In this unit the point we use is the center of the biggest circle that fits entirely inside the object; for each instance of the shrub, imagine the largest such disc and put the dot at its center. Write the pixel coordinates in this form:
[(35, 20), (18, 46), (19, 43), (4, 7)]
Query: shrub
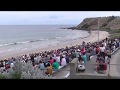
[(85, 26), (22, 70), (105, 24), (111, 18), (2, 76)]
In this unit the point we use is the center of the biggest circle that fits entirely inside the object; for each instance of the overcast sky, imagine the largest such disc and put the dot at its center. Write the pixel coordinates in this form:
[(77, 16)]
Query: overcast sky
[(49, 17)]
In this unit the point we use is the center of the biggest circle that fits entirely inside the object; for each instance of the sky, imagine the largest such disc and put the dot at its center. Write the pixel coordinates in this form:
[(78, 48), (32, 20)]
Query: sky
[(50, 17)]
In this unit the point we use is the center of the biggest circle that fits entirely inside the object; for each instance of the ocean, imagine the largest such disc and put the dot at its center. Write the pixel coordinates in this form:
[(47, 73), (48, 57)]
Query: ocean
[(14, 38)]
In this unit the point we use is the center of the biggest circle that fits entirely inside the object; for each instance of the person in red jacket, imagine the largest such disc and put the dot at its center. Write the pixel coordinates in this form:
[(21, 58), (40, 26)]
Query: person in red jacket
[(97, 50), (51, 60)]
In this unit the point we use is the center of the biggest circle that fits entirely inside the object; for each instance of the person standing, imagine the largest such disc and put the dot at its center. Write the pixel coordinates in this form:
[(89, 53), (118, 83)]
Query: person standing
[(88, 55), (108, 55), (84, 57), (63, 61), (102, 51), (42, 67)]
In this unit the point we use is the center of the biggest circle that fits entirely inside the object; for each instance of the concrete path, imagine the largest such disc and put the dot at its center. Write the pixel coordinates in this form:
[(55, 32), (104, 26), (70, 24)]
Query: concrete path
[(114, 69), (115, 64), (65, 71)]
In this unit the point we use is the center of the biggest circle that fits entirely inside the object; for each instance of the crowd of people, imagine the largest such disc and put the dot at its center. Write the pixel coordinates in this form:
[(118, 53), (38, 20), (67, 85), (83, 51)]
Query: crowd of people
[(50, 61), (103, 52)]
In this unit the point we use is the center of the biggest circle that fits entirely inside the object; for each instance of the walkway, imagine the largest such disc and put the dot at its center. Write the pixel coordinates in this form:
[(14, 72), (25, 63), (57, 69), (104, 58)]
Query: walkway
[(115, 64), (65, 71), (114, 70)]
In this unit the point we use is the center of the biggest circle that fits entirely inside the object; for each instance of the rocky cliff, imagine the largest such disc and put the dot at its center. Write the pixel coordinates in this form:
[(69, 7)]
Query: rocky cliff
[(105, 23)]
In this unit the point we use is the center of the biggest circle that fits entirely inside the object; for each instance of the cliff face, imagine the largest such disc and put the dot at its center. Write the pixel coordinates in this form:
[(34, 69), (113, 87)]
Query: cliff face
[(105, 23)]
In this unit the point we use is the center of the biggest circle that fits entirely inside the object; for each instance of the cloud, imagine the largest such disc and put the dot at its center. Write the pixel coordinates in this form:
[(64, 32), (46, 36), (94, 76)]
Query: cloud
[(49, 17)]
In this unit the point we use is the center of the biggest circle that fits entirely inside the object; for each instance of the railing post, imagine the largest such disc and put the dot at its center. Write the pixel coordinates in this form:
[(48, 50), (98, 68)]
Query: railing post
[(73, 65)]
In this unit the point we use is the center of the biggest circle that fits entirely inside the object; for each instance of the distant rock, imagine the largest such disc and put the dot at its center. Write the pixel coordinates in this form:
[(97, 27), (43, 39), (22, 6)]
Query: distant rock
[(72, 28)]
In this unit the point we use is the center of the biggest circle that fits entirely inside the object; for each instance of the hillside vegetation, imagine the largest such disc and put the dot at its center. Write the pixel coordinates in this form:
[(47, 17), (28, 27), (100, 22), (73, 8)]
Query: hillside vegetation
[(110, 24)]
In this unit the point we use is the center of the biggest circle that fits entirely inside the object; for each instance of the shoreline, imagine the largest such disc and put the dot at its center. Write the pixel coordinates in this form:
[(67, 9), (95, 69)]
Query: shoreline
[(92, 37)]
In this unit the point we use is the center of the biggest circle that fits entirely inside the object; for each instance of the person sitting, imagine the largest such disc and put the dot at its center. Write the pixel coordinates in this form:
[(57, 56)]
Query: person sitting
[(100, 58), (42, 67), (63, 61), (51, 60), (7, 66), (88, 55), (58, 58), (102, 67), (55, 65), (49, 69), (97, 50), (109, 55)]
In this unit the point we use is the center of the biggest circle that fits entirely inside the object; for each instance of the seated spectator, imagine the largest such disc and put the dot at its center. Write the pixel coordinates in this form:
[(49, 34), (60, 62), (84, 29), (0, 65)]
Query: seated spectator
[(88, 55), (51, 60), (58, 58), (55, 65), (7, 66), (12, 65), (63, 61), (67, 58), (49, 69), (42, 67)]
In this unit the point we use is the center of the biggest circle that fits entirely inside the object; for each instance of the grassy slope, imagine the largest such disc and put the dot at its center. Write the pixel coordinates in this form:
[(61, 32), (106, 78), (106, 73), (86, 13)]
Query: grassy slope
[(110, 24)]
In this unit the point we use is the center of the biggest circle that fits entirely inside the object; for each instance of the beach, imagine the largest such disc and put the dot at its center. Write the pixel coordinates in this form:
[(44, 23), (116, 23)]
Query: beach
[(93, 37)]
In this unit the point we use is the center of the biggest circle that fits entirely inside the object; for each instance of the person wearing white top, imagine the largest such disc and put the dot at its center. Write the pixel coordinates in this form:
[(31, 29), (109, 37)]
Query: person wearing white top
[(58, 58), (23, 57), (39, 58), (114, 47), (11, 65), (54, 57), (63, 62), (102, 49), (28, 57), (105, 44), (4, 63), (35, 60)]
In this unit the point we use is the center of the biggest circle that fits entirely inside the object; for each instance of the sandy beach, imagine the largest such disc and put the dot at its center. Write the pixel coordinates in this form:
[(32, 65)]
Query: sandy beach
[(93, 37)]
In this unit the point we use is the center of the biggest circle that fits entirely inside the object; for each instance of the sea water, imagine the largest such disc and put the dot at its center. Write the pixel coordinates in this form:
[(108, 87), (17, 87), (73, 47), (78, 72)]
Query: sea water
[(14, 38)]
